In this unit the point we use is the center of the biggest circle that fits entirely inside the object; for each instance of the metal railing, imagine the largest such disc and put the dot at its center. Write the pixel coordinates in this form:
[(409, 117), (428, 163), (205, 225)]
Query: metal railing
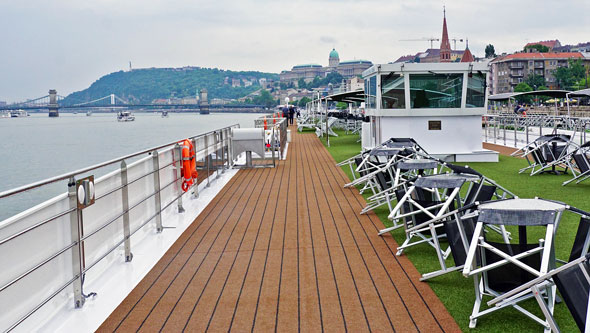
[(277, 137), (55, 245), (517, 130)]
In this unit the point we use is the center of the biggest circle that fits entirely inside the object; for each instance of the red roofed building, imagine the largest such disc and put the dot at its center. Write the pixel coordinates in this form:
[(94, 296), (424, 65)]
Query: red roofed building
[(551, 44), (467, 56), (512, 69)]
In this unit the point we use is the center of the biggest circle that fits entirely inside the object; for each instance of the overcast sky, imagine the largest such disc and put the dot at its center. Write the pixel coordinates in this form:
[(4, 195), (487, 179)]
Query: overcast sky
[(68, 44)]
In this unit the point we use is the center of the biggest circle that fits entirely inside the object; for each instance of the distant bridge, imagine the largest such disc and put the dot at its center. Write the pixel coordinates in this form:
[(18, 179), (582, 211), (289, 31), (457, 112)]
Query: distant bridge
[(54, 102)]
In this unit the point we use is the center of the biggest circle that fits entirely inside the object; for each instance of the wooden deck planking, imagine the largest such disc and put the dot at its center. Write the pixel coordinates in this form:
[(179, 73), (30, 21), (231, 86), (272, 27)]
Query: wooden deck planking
[(284, 249)]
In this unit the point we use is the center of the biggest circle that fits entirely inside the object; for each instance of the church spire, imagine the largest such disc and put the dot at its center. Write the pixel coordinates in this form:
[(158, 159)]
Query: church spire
[(445, 45)]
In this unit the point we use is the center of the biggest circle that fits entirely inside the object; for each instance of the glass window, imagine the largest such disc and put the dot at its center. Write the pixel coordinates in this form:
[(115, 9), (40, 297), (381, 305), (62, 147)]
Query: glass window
[(436, 90), (476, 90), (371, 92), (392, 91)]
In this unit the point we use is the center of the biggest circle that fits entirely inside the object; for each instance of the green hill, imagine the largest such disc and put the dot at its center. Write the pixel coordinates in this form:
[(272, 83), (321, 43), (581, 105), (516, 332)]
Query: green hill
[(145, 85)]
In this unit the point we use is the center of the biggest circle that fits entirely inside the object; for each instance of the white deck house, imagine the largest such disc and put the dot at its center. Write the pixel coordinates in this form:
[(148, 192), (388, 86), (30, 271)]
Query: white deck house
[(440, 105)]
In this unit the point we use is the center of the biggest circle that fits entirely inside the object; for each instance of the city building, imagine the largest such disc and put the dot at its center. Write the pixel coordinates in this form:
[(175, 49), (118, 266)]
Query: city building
[(355, 83), (509, 70), (580, 47), (550, 44), (308, 72)]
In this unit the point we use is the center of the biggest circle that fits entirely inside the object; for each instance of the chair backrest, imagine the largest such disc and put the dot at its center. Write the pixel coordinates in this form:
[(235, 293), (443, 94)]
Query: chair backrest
[(581, 162), (510, 276), (382, 180), (456, 243), (538, 157), (574, 287), (480, 192), (581, 240), (357, 162)]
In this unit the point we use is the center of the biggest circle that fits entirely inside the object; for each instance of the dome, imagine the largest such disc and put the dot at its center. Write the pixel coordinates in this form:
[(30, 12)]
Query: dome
[(334, 54)]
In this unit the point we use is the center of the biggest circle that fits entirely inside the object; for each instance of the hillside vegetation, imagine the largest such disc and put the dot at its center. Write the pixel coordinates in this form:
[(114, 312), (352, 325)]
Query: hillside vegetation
[(145, 85)]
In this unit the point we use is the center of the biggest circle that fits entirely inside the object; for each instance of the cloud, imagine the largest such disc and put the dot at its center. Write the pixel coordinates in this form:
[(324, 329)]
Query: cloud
[(327, 40)]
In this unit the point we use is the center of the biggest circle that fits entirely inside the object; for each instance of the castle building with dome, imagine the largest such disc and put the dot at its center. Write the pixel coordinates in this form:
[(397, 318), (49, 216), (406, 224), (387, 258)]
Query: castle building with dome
[(348, 69)]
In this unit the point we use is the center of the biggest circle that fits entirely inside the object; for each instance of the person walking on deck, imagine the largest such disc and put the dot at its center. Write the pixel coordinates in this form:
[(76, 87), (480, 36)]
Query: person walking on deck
[(291, 114)]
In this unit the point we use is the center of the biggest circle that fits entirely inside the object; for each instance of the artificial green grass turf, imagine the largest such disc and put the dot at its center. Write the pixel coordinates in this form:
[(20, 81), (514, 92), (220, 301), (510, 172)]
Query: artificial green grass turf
[(455, 291)]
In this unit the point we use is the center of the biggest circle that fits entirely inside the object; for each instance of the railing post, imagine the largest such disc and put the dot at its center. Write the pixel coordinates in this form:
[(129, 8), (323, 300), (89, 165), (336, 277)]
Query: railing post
[(216, 137), (515, 125), (541, 120), (158, 202), (222, 140), (504, 129), (273, 145), (495, 129), (125, 205), (485, 127), (77, 251), (196, 187), (207, 157), (179, 177), (526, 122)]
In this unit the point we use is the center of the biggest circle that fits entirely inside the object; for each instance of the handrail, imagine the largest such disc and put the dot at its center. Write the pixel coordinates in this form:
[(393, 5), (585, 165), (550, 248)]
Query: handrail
[(96, 166)]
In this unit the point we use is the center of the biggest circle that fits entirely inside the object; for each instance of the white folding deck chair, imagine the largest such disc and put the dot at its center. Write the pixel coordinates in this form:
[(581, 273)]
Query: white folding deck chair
[(499, 267), (572, 280), (547, 153), (480, 189), (405, 170), (581, 159)]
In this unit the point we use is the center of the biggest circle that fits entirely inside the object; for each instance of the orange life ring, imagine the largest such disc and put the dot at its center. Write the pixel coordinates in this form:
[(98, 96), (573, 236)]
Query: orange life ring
[(189, 165), (265, 126)]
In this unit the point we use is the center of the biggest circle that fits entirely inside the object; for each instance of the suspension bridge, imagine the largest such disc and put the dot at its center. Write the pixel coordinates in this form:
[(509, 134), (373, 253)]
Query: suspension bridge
[(54, 102)]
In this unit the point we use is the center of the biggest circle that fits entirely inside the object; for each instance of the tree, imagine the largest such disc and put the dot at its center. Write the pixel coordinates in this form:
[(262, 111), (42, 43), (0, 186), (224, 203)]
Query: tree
[(301, 83), (567, 77), (523, 87), (490, 51), (537, 47), (265, 98), (341, 106), (303, 101), (535, 81)]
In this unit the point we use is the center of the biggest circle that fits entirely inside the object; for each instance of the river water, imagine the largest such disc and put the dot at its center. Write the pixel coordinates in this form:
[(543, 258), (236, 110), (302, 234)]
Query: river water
[(38, 147)]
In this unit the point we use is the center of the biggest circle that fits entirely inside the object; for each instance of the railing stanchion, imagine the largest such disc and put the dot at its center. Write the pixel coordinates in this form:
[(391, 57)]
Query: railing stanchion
[(526, 122), (216, 136), (504, 129), (495, 129), (207, 157), (77, 250), (178, 148), (485, 126), (125, 205), (222, 139), (196, 187), (158, 202), (273, 145), (515, 125)]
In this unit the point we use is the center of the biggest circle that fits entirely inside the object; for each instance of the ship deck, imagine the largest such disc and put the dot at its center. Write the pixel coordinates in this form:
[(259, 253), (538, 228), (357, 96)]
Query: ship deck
[(284, 249)]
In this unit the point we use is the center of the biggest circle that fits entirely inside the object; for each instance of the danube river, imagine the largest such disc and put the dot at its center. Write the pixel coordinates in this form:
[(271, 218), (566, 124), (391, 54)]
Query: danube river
[(38, 147)]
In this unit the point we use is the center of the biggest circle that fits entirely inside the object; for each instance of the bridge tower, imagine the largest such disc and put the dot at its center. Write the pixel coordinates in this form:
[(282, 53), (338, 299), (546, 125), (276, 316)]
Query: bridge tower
[(53, 107), (203, 102)]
